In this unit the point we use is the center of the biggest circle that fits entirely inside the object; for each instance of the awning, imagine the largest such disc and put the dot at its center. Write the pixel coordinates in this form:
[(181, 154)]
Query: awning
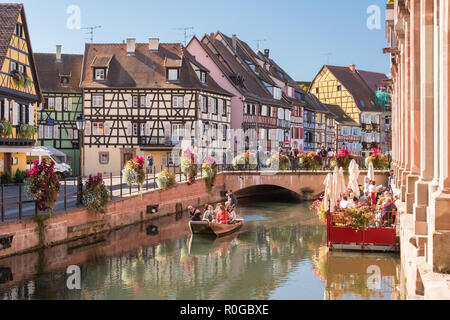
[(9, 149)]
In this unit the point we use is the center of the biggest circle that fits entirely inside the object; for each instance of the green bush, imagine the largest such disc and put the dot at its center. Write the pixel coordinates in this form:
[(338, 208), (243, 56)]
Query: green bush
[(5, 178), (20, 176)]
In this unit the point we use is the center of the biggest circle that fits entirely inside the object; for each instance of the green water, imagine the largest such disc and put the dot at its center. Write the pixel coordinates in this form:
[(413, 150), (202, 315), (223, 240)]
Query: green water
[(278, 254)]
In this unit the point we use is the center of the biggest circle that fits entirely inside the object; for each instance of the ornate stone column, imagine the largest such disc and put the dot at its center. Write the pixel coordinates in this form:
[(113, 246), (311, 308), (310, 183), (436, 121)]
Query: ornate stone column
[(427, 117), (439, 220), (414, 106)]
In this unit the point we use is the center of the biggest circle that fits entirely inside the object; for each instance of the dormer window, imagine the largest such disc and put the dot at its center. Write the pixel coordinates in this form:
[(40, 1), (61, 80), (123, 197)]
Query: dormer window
[(203, 76), (173, 74), (99, 74), (64, 81)]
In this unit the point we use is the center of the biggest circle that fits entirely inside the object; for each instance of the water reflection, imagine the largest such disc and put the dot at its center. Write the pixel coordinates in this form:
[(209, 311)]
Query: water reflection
[(279, 256)]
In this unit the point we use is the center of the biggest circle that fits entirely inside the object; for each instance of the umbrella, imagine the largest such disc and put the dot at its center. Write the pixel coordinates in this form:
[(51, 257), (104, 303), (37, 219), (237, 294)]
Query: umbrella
[(353, 178), (371, 172), (341, 180), (329, 196), (336, 184)]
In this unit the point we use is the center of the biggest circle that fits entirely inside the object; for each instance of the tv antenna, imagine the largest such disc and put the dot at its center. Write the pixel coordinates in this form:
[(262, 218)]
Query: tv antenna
[(258, 42), (185, 32), (328, 55), (91, 32)]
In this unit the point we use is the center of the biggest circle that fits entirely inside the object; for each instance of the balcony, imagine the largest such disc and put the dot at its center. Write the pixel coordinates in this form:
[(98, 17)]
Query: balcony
[(21, 135), (157, 142)]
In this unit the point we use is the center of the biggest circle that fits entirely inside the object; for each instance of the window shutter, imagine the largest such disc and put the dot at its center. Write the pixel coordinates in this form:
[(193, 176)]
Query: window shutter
[(41, 132), (88, 129), (129, 100), (209, 104), (107, 128), (70, 134), (186, 101), (167, 133), (69, 104), (58, 102), (55, 132), (147, 128), (31, 114), (128, 129), (15, 114), (7, 110), (148, 101)]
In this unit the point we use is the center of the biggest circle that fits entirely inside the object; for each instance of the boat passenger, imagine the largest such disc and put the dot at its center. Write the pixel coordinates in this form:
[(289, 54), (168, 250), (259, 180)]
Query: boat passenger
[(355, 203), (222, 217), (231, 214), (366, 185), (197, 216), (373, 192), (232, 198), (344, 203), (209, 214), (191, 211), (217, 210)]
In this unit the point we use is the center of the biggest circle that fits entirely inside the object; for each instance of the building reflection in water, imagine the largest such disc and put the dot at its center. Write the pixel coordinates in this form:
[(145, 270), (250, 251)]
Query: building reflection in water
[(247, 265)]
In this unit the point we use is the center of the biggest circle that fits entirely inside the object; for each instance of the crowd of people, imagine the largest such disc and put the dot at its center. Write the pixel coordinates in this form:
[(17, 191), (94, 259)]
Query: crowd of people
[(221, 214), (380, 198)]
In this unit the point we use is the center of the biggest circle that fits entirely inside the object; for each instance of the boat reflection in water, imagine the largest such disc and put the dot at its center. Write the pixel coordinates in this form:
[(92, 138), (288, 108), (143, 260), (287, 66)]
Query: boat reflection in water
[(278, 254)]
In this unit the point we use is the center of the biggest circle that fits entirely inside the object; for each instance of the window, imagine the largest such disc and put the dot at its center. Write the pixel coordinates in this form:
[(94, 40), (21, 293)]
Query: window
[(281, 114), (177, 102), (143, 101), (103, 157), (317, 90), (135, 129), (66, 104), (24, 114), (48, 132), (277, 93), (12, 66), (177, 132), (64, 81), (2, 109), (172, 74), (214, 131), (97, 128), (215, 110), (19, 30), (339, 88), (51, 104), (264, 110), (97, 101), (224, 132), (204, 104), (224, 107), (21, 68), (362, 103), (253, 109), (142, 131), (202, 76), (99, 74)]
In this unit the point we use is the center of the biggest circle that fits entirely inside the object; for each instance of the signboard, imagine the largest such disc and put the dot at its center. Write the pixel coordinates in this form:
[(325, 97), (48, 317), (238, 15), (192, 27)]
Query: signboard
[(50, 122), (287, 142)]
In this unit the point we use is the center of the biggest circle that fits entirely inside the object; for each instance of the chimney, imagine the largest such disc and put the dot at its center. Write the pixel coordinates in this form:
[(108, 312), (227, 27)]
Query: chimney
[(58, 53), (131, 47), (153, 44), (266, 53), (353, 68), (234, 42)]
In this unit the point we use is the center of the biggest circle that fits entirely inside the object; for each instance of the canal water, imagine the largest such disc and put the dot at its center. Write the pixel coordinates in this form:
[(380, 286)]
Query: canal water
[(278, 254)]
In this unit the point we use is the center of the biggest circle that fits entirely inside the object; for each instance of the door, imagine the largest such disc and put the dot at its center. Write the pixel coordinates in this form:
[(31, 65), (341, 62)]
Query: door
[(127, 157), (8, 163)]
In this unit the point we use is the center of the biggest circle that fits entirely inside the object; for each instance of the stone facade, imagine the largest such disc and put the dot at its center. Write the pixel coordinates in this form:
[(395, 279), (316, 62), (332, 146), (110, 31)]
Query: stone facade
[(418, 33)]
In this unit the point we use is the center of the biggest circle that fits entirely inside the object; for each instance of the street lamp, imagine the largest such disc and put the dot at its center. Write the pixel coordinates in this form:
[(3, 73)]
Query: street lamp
[(81, 124)]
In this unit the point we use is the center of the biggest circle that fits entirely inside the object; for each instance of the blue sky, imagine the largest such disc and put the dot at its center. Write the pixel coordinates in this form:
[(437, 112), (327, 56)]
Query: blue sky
[(299, 33)]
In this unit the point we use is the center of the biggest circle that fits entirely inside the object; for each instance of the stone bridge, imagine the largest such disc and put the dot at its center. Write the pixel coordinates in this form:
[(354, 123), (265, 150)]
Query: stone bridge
[(297, 182)]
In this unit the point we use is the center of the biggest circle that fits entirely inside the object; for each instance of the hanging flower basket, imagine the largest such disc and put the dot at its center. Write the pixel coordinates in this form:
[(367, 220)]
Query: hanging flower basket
[(165, 180), (134, 173), (310, 161), (245, 161), (279, 161), (189, 166), (379, 160), (42, 185), (5, 128), (209, 171), (342, 160), (95, 196)]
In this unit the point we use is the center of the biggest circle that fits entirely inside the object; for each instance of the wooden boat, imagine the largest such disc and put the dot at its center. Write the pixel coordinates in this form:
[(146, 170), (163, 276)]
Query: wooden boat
[(219, 230)]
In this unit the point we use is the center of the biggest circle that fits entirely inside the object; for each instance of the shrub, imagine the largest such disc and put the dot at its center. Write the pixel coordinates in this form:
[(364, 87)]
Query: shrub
[(6, 178), (20, 176), (280, 159), (310, 161), (165, 180), (95, 196)]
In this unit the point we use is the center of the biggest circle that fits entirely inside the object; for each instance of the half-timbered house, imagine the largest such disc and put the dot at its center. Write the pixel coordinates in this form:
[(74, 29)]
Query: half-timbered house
[(348, 131), (19, 89), (149, 99), (354, 91), (59, 76)]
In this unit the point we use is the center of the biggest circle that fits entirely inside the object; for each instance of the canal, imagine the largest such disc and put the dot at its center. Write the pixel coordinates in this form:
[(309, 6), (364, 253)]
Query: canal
[(278, 254)]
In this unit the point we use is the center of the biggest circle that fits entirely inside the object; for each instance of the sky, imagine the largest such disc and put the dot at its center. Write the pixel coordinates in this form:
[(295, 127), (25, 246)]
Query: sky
[(302, 35)]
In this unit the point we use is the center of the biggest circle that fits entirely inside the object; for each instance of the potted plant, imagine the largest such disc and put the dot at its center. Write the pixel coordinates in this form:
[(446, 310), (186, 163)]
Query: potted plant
[(165, 180), (5, 128), (209, 171), (95, 196), (310, 161), (245, 161), (280, 160), (379, 160), (42, 185), (189, 166), (342, 159), (134, 173)]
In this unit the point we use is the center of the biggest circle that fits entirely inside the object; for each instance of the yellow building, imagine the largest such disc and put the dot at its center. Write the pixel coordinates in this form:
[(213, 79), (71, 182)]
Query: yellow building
[(355, 92), (19, 90)]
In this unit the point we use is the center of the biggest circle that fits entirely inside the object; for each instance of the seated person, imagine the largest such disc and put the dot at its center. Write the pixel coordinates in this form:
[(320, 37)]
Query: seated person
[(197, 216), (209, 214), (231, 214), (355, 203), (222, 216), (191, 211), (344, 203), (388, 207)]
